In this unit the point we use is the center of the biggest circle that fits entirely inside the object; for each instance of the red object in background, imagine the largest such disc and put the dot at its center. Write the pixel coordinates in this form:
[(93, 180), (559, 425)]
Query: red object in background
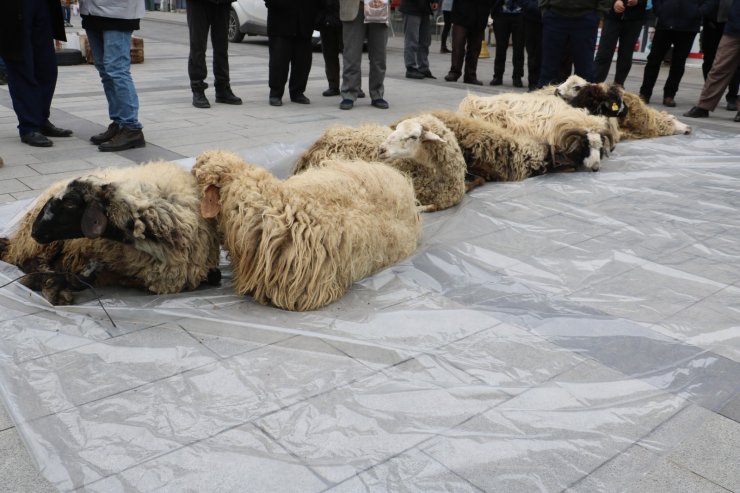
[(395, 4)]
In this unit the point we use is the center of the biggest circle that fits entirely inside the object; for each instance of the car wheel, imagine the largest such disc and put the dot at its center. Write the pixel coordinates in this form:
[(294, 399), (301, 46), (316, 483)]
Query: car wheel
[(235, 35)]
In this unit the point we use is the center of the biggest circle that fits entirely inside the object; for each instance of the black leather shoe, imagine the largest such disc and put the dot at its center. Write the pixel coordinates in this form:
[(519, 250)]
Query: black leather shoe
[(105, 136), (475, 82), (200, 100), (300, 99), (332, 91), (226, 96), (444, 49), (428, 74), (360, 94), (451, 77), (697, 112), (51, 130), (276, 101), (496, 81), (126, 138), (737, 117), (380, 103), (668, 101), (346, 104), (518, 82), (731, 105), (36, 139), (414, 74)]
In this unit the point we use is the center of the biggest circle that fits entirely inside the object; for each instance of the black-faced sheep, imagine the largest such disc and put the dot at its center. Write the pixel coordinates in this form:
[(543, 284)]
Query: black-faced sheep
[(640, 121), (431, 156), (544, 117), (138, 227), (300, 243)]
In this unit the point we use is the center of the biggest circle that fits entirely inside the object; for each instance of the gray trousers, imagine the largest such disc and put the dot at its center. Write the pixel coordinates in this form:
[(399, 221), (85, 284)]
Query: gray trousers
[(416, 40), (725, 64), (354, 33)]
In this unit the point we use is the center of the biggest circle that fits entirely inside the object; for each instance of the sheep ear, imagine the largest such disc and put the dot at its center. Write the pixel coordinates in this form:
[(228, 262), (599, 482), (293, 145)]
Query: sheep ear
[(93, 221), (431, 136), (210, 205)]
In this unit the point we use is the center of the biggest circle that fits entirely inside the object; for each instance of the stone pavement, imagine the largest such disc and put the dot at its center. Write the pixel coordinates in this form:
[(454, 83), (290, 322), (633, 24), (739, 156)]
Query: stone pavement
[(175, 130)]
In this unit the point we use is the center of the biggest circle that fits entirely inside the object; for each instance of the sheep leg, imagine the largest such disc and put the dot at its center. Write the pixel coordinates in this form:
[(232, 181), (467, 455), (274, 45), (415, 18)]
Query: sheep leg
[(475, 182), (427, 208), (214, 276), (4, 245)]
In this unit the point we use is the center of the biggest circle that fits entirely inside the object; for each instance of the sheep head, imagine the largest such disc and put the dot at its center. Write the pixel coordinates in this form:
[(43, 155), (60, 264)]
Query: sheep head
[(597, 99), (212, 170), (406, 140), (79, 210)]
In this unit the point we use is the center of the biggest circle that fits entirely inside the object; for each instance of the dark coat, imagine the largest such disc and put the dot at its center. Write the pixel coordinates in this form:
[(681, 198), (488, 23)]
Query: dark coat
[(11, 27), (328, 16), (416, 7), (732, 27), (634, 13), (292, 18), (681, 15), (471, 14), (531, 10)]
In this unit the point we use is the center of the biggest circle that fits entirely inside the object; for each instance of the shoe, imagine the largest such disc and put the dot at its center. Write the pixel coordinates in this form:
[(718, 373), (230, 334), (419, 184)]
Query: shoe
[(475, 82), (380, 103), (496, 81), (276, 101), (360, 94), (737, 117), (125, 138), (36, 139), (697, 112), (517, 82), (428, 74), (346, 104), (731, 105), (226, 96), (50, 130), (668, 101), (3, 78), (532, 88), (444, 49), (300, 99), (451, 77), (200, 100), (105, 136), (332, 91), (414, 74), (645, 99)]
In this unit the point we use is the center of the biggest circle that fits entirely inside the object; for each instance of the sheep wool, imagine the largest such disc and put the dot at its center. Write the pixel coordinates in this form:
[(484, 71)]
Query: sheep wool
[(301, 243)]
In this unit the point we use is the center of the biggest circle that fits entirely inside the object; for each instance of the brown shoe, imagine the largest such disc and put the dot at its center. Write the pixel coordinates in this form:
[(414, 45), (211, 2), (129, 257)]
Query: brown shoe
[(668, 101), (126, 138), (105, 136)]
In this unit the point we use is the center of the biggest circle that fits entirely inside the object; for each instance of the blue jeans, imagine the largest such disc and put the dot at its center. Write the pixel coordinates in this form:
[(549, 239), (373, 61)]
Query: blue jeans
[(112, 53)]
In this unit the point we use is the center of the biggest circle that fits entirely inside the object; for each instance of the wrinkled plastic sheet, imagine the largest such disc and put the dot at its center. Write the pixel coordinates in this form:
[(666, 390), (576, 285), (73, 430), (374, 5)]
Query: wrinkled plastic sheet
[(542, 329)]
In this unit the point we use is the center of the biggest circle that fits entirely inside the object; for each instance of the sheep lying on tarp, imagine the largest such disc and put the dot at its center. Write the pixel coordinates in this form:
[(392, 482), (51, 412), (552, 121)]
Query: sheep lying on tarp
[(547, 118), (427, 151), (138, 227), (640, 121), (301, 243)]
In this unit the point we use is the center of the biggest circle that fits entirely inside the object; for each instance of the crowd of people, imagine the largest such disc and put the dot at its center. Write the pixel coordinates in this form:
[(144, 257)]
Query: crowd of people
[(558, 36)]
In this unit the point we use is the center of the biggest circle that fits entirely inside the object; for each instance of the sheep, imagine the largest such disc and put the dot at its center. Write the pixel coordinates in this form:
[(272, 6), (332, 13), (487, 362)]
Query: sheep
[(544, 117), (300, 243), (432, 157), (138, 227), (640, 121)]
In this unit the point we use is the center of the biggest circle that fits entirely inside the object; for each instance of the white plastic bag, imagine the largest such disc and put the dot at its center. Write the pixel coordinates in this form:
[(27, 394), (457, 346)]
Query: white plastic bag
[(377, 11)]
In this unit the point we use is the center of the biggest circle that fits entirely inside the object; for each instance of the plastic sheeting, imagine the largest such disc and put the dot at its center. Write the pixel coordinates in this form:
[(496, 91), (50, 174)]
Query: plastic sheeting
[(542, 329)]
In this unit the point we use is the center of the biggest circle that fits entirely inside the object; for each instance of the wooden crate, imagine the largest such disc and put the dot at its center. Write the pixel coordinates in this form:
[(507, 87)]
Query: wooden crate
[(137, 49)]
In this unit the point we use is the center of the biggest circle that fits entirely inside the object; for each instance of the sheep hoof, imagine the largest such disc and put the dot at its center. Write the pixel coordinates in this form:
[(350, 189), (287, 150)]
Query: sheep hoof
[(214, 276), (427, 208), (474, 183), (55, 289)]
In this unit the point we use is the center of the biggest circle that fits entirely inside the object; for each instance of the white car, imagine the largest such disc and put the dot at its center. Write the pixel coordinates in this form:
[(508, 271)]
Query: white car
[(249, 17)]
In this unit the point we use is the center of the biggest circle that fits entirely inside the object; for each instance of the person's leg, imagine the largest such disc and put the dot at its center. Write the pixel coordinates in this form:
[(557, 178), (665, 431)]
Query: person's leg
[(377, 40), (353, 36), (627, 39), (682, 42), (300, 66), (501, 33), (280, 48), (582, 44), (610, 34), (220, 44), (425, 40), (330, 40), (554, 38), (533, 43), (411, 25), (447, 16), (198, 26), (97, 46), (117, 62), (732, 91), (724, 68), (517, 46), (711, 33), (661, 43), (472, 52), (459, 37)]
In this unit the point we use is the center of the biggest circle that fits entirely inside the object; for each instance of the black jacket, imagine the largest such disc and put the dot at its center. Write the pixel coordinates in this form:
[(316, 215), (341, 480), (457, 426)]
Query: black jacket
[(507, 7), (471, 14), (634, 13), (681, 15), (416, 7), (11, 27), (292, 17)]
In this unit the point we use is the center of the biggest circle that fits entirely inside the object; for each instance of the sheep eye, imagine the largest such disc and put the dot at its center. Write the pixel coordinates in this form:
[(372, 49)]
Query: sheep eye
[(578, 88), (413, 137)]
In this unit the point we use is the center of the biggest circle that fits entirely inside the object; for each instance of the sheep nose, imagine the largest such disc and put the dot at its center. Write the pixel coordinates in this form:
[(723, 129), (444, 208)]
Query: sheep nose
[(382, 151)]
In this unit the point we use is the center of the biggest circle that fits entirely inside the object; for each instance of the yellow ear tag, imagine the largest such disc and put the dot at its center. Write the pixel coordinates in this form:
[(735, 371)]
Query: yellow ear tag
[(615, 106)]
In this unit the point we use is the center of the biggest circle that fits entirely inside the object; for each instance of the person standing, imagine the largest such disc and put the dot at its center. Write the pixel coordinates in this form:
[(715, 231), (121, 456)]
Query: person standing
[(202, 16), (532, 41), (725, 65), (447, 25), (417, 28), (27, 31), (508, 22), (569, 25), (109, 25), (469, 19), (622, 25), (355, 30), (713, 26), (678, 23), (330, 28), (290, 25)]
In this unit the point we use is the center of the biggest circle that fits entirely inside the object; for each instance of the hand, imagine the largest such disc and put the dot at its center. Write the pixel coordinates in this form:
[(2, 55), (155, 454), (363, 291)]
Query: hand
[(631, 3), (619, 6)]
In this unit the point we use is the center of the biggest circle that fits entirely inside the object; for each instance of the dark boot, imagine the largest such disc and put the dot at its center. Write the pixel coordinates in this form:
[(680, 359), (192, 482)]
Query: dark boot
[(226, 96), (126, 138), (199, 100), (105, 136)]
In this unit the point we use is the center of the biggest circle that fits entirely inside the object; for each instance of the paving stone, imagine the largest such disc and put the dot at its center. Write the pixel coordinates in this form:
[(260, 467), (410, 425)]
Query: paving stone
[(670, 478), (19, 473), (731, 409), (5, 420)]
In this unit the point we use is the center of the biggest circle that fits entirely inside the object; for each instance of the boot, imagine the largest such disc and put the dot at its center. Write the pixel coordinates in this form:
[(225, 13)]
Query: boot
[(105, 136), (200, 100), (226, 96), (126, 138)]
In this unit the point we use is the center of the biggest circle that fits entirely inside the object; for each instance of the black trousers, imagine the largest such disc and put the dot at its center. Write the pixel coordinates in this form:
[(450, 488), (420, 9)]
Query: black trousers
[(447, 27), (466, 46), (331, 47), (662, 42), (32, 80), (533, 44), (616, 31), (289, 54), (507, 26), (204, 16)]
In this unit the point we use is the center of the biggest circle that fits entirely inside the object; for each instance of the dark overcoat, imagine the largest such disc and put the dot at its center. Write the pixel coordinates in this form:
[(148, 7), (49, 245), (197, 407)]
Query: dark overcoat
[(11, 27)]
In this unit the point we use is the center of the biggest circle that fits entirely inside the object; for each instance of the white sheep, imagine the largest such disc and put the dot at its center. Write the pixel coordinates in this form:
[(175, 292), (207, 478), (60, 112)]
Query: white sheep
[(300, 243), (138, 227), (640, 121), (431, 156), (547, 118)]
